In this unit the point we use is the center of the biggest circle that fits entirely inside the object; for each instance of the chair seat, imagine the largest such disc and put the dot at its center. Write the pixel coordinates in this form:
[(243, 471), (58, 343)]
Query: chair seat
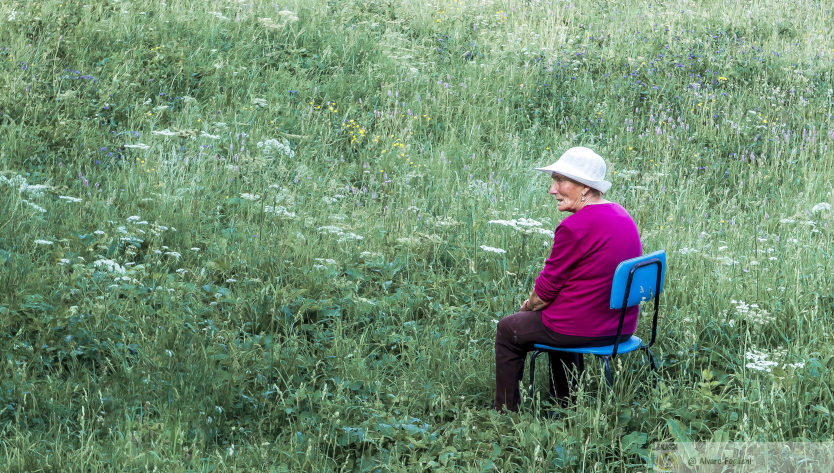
[(631, 344)]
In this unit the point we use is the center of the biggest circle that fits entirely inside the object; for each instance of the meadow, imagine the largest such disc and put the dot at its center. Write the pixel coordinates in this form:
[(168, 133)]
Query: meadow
[(249, 236)]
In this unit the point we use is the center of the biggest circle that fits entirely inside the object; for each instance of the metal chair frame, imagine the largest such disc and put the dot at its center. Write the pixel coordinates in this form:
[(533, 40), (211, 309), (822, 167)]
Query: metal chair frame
[(607, 353)]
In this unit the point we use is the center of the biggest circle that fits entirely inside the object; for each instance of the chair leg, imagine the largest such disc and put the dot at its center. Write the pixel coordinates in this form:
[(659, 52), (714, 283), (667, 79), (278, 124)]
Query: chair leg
[(533, 369), (651, 358), (579, 362), (607, 367)]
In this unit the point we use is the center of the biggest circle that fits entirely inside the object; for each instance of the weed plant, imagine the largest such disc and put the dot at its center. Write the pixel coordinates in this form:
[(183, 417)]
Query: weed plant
[(242, 236)]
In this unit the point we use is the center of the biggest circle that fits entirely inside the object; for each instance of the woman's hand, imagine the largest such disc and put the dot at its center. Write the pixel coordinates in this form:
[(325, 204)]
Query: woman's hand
[(534, 303)]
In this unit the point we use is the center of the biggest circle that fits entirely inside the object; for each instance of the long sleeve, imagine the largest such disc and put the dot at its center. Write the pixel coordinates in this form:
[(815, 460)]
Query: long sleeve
[(557, 269)]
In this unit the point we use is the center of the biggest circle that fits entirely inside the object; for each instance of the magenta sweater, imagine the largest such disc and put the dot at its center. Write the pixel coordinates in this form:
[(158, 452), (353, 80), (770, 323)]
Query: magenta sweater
[(587, 247)]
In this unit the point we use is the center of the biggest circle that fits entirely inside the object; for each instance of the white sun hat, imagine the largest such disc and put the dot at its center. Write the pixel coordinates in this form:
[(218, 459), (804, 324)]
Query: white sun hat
[(582, 165)]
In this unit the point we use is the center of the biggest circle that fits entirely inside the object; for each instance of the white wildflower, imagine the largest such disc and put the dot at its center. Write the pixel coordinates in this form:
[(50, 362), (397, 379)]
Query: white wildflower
[(765, 361), (181, 271), (726, 260), (248, 196), (332, 200), (272, 147), (349, 236), (133, 218), (110, 266), (231, 280), (329, 261), (99, 232), (752, 312), (370, 254), (63, 261), (330, 229), (43, 242), (524, 225), (209, 136), (35, 206), (259, 102), (446, 222), (279, 210), (288, 15), (759, 361), (492, 249), (174, 254), (69, 198), (528, 222), (822, 206), (195, 249), (165, 132), (218, 15)]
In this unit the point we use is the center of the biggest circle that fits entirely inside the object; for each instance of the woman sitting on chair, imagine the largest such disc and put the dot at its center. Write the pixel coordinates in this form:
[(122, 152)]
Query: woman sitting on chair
[(569, 303)]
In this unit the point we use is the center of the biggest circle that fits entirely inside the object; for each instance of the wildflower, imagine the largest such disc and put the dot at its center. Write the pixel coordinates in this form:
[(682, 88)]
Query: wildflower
[(279, 210), (330, 229), (259, 102), (43, 242), (275, 147), (165, 132), (492, 249), (248, 196), (35, 206), (822, 206), (69, 199), (759, 361), (137, 146), (752, 312), (174, 254), (110, 265), (349, 236)]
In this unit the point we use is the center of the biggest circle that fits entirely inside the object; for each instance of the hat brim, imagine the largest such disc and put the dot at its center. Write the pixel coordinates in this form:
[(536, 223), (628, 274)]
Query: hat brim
[(601, 186)]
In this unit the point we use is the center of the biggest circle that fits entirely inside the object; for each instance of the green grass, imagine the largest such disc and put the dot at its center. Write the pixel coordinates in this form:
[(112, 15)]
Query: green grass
[(217, 303)]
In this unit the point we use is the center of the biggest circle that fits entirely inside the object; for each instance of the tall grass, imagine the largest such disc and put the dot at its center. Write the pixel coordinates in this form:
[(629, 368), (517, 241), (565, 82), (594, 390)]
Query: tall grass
[(244, 236)]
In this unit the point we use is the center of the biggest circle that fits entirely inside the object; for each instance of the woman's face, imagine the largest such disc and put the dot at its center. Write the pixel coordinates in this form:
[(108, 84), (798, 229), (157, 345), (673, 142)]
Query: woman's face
[(568, 193)]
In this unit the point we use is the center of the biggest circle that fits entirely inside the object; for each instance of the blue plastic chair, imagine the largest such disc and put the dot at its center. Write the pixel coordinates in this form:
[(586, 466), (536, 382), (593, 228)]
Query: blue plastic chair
[(635, 280)]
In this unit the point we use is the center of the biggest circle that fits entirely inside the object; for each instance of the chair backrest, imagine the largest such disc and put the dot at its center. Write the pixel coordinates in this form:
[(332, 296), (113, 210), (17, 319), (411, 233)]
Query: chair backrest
[(642, 277)]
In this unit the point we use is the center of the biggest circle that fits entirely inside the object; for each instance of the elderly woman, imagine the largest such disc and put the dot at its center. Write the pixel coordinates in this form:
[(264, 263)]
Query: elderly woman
[(569, 303)]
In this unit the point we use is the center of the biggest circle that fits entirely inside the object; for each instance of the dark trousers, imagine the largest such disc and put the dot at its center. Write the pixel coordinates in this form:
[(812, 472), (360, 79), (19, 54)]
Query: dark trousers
[(515, 336)]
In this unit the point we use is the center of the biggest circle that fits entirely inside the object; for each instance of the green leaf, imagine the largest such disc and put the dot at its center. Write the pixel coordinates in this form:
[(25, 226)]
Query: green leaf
[(634, 441), (677, 430)]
